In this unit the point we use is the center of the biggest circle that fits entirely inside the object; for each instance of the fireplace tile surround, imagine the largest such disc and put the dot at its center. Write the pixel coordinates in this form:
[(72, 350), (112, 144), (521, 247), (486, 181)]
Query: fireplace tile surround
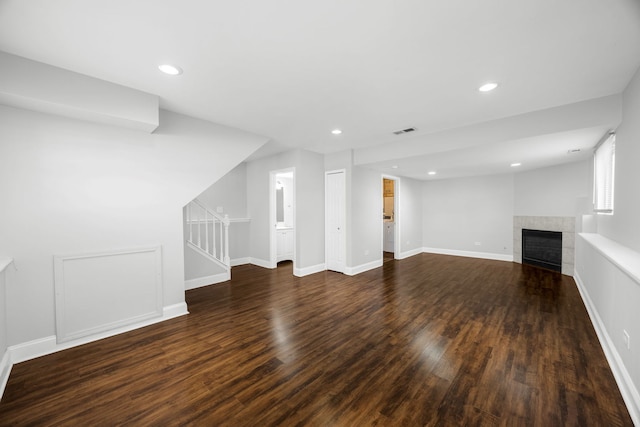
[(564, 224)]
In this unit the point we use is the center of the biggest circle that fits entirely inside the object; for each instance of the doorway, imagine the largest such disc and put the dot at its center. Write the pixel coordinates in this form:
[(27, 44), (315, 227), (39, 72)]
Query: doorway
[(390, 218), (282, 217)]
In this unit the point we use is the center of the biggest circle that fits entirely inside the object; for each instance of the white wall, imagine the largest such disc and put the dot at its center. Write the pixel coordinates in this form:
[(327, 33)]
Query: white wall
[(309, 222), (553, 191), (460, 212), (198, 266), (309, 183), (364, 237), (229, 193), (5, 362), (239, 238), (613, 295), (75, 187), (624, 225), (411, 217), (3, 315)]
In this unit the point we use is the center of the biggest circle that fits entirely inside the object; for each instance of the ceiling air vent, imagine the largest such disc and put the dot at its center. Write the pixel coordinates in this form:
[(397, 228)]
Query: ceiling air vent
[(407, 130)]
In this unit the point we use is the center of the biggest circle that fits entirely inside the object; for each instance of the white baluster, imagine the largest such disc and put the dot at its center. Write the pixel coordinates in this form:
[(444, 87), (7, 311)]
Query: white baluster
[(227, 259), (206, 230), (213, 237), (189, 222), (199, 229)]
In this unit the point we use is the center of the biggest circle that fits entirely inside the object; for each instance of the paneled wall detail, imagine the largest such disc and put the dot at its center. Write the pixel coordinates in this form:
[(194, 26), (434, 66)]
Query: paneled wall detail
[(99, 292)]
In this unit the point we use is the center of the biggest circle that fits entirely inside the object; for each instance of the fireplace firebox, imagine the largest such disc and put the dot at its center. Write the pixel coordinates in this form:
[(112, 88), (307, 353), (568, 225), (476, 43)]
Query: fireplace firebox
[(542, 249)]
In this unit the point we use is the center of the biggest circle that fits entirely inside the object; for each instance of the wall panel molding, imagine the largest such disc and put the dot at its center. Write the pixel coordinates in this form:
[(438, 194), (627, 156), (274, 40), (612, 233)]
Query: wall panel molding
[(99, 292)]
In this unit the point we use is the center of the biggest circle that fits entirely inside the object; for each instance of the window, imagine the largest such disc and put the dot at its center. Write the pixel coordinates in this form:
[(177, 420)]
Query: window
[(603, 174)]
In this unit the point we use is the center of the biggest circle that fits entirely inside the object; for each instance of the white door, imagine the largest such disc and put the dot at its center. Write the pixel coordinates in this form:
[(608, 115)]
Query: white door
[(335, 204)]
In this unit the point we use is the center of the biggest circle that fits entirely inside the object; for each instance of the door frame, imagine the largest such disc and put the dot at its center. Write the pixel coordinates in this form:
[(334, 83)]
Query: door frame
[(326, 219), (273, 242), (396, 214)]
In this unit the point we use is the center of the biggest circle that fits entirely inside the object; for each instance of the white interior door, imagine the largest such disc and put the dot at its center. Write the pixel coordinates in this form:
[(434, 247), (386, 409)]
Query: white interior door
[(335, 207)]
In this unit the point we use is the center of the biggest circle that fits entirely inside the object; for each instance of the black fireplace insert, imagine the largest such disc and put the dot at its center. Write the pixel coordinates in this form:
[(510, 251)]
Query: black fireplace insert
[(542, 249)]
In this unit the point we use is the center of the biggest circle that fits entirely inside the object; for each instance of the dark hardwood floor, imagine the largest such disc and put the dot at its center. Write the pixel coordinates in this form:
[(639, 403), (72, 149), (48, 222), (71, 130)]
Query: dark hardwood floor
[(429, 340)]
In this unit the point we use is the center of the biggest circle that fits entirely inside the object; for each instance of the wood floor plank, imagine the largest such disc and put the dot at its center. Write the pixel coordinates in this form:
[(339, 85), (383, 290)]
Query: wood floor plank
[(429, 340)]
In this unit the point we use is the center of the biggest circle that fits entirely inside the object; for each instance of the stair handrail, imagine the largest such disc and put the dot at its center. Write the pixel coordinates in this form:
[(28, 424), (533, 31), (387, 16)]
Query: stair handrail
[(209, 247)]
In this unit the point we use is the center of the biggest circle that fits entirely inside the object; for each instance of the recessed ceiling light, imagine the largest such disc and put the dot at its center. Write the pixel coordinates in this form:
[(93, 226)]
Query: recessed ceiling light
[(172, 70), (431, 173), (394, 167), (515, 165), (336, 131), (488, 87)]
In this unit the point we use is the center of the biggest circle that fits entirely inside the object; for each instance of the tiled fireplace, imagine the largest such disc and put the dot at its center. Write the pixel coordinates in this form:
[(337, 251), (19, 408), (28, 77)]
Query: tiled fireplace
[(564, 224)]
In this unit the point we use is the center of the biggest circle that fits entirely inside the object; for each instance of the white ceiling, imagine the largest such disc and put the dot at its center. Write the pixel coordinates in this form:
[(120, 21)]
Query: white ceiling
[(294, 70)]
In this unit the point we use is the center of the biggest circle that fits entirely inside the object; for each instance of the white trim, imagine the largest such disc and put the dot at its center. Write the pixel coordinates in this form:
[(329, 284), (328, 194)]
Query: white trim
[(239, 220), (397, 240), (622, 257), (262, 263), (206, 255), (469, 254), (199, 282), (273, 246), (62, 329), (48, 345), (43, 346), (352, 271), (203, 221), (172, 311), (5, 370), (628, 390), (305, 271), (240, 261), (36, 348), (410, 253), (4, 263)]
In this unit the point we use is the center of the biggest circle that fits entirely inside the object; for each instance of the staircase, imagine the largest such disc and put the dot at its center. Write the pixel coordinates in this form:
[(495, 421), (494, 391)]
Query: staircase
[(208, 233)]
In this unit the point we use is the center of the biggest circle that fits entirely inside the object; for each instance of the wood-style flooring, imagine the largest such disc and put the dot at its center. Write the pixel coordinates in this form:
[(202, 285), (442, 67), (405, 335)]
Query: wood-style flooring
[(430, 340)]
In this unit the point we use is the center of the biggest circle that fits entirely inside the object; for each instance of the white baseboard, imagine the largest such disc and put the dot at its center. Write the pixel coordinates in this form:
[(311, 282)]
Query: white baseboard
[(175, 310), (5, 370), (240, 261), (305, 271), (407, 254), (36, 348), (262, 263), (469, 254), (352, 271), (207, 280), (628, 390), (47, 345)]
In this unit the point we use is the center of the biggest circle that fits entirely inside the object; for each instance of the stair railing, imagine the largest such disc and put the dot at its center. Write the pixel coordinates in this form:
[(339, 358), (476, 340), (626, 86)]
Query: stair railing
[(208, 232)]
